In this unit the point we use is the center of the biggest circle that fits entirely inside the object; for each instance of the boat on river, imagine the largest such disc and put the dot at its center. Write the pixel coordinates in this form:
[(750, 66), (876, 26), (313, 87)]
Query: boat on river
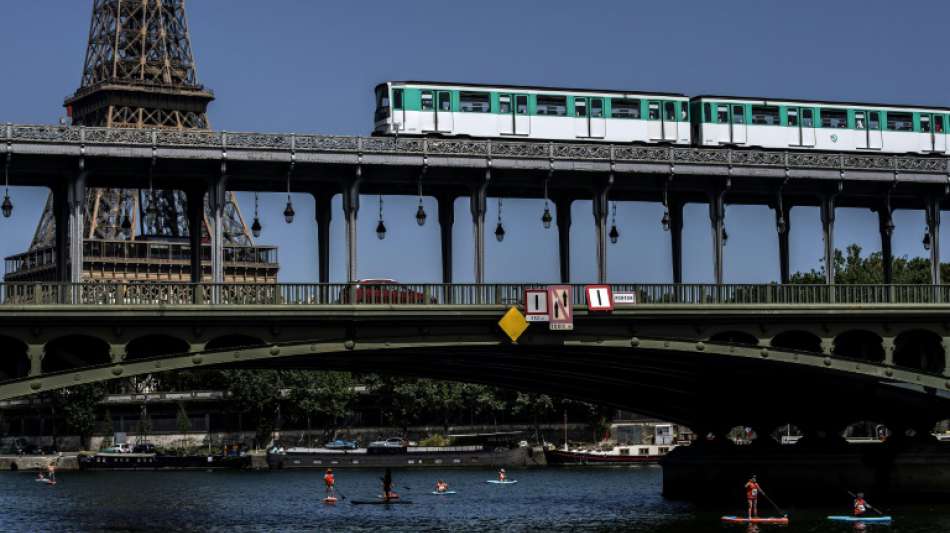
[(613, 456), (402, 456), (156, 461)]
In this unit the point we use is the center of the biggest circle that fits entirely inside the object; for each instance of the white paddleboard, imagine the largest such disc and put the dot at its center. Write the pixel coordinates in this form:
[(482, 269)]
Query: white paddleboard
[(506, 482)]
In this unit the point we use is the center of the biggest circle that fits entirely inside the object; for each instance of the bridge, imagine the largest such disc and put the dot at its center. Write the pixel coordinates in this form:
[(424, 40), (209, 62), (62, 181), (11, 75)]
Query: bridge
[(692, 354), (70, 159)]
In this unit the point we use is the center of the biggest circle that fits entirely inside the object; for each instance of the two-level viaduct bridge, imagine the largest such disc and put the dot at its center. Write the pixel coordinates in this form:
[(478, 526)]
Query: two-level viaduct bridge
[(816, 356), (69, 159)]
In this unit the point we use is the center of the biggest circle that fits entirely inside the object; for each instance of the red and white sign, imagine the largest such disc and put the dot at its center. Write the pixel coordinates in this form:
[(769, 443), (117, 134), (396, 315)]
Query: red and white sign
[(536, 307), (561, 317), (599, 298)]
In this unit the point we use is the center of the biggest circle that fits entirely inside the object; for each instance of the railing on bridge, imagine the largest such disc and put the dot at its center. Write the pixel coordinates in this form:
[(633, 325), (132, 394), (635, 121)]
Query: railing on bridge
[(152, 293)]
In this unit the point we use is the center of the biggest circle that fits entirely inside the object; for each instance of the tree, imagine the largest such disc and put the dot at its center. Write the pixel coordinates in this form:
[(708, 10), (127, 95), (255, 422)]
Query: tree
[(853, 269), (78, 405), (256, 393), (182, 421), (325, 394)]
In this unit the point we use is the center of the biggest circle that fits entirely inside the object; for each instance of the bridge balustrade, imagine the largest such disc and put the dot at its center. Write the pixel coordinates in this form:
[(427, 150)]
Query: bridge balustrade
[(497, 294)]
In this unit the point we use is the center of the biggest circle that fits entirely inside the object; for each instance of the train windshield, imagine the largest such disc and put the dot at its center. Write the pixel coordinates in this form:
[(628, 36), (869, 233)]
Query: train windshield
[(382, 102)]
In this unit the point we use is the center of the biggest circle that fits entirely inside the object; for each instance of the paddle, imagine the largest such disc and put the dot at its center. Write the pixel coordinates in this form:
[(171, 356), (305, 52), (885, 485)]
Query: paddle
[(866, 503), (781, 512), (342, 496)]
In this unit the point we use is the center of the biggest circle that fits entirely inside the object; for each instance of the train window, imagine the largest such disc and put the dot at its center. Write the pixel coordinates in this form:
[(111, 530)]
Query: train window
[(925, 123), (684, 112), (669, 110), (445, 101), (808, 118), (874, 120), (793, 117), (722, 114), (707, 112), (938, 123), (382, 104), (474, 102), (900, 121), (521, 104), (549, 104), (622, 108), (504, 104), (597, 108), (427, 103), (859, 120), (397, 98), (654, 110), (834, 118), (765, 115), (580, 106), (738, 114)]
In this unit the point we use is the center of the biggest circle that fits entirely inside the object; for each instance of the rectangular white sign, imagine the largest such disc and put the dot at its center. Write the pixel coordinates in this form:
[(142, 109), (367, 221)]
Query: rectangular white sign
[(536, 305), (625, 298), (562, 308)]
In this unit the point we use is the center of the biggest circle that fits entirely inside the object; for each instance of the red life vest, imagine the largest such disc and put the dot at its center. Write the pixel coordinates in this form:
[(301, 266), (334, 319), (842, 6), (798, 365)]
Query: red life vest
[(752, 490), (860, 506), (328, 479)]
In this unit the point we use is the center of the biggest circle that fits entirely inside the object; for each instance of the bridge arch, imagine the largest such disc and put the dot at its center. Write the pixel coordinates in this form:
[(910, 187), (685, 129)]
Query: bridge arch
[(75, 351), (234, 341), (919, 349), (154, 345), (14, 360), (797, 339), (859, 344), (735, 337), (867, 429)]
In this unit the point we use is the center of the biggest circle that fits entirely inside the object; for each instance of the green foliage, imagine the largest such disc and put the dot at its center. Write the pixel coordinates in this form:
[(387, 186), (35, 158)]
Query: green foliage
[(182, 421), (434, 440), (78, 405), (853, 269), (256, 394), (324, 395)]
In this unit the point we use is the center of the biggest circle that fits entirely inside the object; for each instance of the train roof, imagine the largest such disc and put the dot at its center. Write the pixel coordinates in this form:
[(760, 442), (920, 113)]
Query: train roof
[(779, 101), (528, 87)]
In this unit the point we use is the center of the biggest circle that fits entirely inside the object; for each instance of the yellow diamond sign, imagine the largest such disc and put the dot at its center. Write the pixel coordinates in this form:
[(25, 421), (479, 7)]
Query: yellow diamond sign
[(513, 324)]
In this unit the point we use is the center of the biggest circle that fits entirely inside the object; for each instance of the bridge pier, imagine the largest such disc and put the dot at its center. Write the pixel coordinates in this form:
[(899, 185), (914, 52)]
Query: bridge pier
[(351, 208), (446, 207), (478, 204), (562, 206), (36, 352), (77, 207), (888, 345), (933, 231), (322, 205), (217, 200), (886, 227), (783, 225), (60, 194), (717, 217), (601, 210), (196, 213), (827, 209), (675, 210)]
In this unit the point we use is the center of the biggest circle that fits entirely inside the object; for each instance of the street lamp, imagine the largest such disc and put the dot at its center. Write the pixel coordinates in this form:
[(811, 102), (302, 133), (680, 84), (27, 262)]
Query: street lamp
[(614, 234), (665, 221), (421, 212), (926, 241), (7, 206), (500, 229), (289, 210), (381, 227), (256, 226), (546, 217)]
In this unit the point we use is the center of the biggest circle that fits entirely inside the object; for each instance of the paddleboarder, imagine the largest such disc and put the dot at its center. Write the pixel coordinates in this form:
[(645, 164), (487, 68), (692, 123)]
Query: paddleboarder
[(51, 470), (330, 481), (752, 490), (502, 476), (388, 493), (861, 506), (441, 486)]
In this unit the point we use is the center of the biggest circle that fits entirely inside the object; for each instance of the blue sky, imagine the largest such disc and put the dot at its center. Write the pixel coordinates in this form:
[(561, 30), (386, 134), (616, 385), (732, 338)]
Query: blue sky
[(308, 66)]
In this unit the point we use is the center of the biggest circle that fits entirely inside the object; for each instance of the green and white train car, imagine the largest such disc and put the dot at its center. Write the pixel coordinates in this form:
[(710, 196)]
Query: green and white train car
[(543, 113), (818, 125)]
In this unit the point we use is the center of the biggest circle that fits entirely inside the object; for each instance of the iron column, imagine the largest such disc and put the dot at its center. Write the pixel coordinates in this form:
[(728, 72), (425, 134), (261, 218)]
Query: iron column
[(446, 207), (61, 218), (933, 228), (562, 206), (717, 214), (351, 207), (675, 208), (323, 215), (196, 211), (478, 206), (77, 210), (828, 228), (217, 198), (886, 227), (601, 210)]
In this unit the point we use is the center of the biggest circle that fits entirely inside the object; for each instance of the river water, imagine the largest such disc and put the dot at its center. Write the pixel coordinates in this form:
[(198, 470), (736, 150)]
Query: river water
[(543, 500)]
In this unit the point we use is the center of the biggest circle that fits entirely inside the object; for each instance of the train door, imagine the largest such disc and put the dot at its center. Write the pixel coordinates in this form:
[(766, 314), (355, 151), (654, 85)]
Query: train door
[(932, 126), (801, 122), (654, 124), (598, 123), (875, 137), (581, 120), (522, 120), (444, 120), (506, 115), (738, 124), (724, 122), (427, 111), (670, 132), (862, 138)]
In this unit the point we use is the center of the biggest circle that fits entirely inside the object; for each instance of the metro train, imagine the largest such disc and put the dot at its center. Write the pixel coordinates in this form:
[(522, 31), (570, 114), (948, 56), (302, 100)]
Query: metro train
[(419, 108)]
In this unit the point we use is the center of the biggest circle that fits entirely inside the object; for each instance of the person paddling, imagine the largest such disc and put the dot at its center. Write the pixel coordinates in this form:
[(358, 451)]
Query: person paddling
[(51, 470), (860, 505), (330, 481), (502, 476), (752, 490), (388, 493), (441, 486)]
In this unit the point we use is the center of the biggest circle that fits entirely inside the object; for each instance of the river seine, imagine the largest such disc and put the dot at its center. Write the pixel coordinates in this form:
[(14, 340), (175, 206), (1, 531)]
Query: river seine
[(543, 500)]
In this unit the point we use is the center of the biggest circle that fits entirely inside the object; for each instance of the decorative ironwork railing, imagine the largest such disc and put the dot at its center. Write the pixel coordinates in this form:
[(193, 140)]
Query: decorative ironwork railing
[(83, 136), (417, 294)]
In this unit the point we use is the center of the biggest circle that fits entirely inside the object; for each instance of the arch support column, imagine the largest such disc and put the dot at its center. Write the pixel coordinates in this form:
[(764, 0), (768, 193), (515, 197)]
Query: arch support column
[(933, 232), (675, 212), (827, 209), (601, 209), (217, 199), (196, 213), (446, 207), (888, 344), (885, 217), (36, 352), (783, 227), (562, 206), (323, 215), (717, 218), (351, 208), (77, 212), (478, 203), (946, 356)]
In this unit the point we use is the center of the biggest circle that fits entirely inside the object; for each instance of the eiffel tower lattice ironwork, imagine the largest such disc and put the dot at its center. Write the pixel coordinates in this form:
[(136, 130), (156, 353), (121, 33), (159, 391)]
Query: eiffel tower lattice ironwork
[(140, 73)]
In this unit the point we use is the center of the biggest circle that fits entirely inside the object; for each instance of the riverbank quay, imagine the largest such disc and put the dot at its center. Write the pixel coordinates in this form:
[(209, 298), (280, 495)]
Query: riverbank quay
[(897, 471), (38, 463)]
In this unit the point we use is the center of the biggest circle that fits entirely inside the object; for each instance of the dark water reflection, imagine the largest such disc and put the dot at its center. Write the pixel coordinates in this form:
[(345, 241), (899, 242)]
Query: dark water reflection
[(543, 500)]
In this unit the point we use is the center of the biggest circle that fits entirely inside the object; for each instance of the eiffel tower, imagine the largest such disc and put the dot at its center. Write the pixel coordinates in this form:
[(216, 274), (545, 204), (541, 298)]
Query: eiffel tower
[(140, 73)]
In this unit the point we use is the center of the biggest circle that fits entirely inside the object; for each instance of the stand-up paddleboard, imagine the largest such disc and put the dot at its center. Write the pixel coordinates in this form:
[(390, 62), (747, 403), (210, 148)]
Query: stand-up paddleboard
[(330, 500), (506, 482), (765, 520), (443, 493), (866, 519), (380, 502), (46, 480)]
